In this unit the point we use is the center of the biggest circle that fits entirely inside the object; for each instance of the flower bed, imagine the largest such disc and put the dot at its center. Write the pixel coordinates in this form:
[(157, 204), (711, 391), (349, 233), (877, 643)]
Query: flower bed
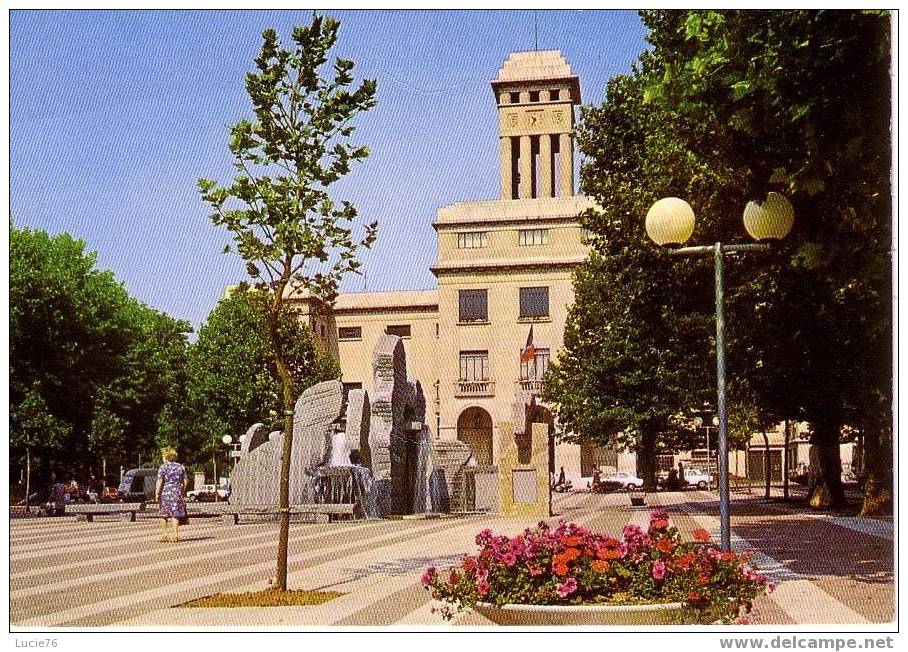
[(569, 565)]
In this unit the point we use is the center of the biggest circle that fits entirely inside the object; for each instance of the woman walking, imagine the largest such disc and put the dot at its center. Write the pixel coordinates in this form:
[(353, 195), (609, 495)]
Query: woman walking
[(169, 492)]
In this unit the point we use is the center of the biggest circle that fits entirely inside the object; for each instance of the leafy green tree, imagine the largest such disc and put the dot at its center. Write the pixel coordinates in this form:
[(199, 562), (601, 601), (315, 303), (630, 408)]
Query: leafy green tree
[(723, 108), (638, 354), (799, 102), (283, 220), (90, 367), (232, 377)]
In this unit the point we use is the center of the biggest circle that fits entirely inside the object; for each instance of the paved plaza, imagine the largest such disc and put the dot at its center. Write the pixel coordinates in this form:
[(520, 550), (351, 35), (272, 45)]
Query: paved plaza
[(65, 573)]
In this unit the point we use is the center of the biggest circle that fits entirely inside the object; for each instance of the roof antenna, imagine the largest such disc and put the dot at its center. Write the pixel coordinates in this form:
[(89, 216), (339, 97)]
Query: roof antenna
[(535, 31)]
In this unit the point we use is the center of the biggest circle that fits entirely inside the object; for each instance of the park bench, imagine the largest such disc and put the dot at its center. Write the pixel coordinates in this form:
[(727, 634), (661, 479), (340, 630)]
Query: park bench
[(318, 513), (123, 511)]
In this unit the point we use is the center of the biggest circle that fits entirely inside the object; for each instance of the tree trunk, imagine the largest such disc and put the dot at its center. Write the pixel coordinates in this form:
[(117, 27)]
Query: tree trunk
[(785, 462), (826, 491), (646, 458), (767, 466), (274, 317), (877, 467), (28, 474)]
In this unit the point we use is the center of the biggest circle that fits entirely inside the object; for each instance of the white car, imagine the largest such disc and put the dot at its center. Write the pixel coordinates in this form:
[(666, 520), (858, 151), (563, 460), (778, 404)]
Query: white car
[(629, 480), (696, 478), (207, 493)]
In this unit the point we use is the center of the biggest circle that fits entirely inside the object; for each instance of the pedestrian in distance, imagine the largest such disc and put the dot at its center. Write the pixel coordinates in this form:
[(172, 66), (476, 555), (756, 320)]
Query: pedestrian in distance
[(170, 492)]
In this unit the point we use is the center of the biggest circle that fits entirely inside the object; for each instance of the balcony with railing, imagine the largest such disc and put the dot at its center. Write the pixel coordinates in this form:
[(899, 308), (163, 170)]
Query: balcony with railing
[(531, 385), (469, 388)]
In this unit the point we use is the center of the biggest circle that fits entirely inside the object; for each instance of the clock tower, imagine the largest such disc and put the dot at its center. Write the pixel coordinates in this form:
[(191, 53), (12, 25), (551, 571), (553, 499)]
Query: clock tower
[(536, 93)]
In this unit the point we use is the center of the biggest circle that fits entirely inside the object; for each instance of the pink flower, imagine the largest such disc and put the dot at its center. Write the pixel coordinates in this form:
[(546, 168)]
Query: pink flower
[(427, 576), (536, 570), (770, 587), (509, 559), (484, 537), (658, 571), (743, 619), (482, 587), (566, 587)]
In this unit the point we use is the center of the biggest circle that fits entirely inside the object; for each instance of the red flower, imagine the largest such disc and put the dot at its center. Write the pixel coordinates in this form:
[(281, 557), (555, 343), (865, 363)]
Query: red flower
[(560, 569), (659, 524), (600, 566), (665, 546), (572, 541), (727, 556), (685, 561), (700, 534)]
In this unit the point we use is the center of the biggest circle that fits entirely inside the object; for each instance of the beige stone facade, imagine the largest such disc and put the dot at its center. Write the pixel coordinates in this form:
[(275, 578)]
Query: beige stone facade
[(503, 267)]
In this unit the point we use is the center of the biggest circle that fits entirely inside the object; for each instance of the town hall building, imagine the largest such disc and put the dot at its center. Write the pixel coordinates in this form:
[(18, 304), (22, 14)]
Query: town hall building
[(503, 276)]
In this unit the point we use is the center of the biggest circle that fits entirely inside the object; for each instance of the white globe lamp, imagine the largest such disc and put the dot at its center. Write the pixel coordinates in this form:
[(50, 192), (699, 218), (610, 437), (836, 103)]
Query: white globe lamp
[(769, 220), (670, 221)]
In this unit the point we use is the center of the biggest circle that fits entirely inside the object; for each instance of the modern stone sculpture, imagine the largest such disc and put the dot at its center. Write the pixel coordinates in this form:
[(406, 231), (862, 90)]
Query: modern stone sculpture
[(379, 455), (358, 419)]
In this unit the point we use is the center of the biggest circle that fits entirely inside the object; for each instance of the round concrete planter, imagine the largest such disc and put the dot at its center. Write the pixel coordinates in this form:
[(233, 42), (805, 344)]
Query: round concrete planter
[(554, 616)]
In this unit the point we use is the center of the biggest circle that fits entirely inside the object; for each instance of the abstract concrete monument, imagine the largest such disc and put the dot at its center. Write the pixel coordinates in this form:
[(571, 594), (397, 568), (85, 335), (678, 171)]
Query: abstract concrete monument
[(378, 455)]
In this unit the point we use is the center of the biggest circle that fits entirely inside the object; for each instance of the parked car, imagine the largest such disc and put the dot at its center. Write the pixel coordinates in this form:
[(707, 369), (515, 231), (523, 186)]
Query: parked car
[(621, 479), (207, 493), (696, 478), (137, 486)]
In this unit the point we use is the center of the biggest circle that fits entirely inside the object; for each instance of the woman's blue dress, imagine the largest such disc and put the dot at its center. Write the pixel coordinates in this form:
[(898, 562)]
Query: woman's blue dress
[(172, 504)]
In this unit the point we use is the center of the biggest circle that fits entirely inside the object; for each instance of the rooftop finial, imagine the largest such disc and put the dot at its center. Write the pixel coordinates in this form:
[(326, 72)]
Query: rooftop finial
[(535, 31)]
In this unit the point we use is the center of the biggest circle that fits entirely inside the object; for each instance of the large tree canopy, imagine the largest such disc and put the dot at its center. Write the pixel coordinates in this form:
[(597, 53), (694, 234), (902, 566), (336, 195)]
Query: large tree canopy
[(725, 107), (92, 371)]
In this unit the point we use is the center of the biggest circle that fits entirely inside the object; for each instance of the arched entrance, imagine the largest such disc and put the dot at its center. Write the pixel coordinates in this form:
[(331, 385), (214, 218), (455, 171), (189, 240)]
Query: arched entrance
[(474, 428)]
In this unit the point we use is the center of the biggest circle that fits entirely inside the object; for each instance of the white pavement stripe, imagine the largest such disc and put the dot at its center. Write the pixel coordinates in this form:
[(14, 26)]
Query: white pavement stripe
[(169, 590), (85, 529), (85, 539), (153, 551), (802, 600), (171, 564), (871, 526)]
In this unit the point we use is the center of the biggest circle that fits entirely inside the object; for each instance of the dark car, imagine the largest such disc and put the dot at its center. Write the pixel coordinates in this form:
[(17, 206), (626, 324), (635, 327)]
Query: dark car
[(137, 486)]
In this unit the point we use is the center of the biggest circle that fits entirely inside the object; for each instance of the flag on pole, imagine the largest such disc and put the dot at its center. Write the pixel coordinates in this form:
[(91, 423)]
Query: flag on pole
[(529, 351)]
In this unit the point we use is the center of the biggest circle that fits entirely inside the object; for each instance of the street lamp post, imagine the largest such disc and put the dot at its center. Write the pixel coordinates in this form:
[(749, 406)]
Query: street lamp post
[(698, 422), (227, 440), (670, 221)]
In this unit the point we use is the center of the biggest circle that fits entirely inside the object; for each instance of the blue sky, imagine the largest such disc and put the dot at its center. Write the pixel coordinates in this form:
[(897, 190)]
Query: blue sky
[(115, 115)]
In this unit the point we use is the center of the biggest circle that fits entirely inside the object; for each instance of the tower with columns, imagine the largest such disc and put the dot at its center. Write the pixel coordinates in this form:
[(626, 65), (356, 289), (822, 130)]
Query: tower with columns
[(536, 93), (503, 276)]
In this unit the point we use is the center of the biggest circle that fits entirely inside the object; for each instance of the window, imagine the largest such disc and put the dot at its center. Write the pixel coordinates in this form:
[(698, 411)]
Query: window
[(532, 237), (350, 333), (474, 305), (474, 365), (535, 369), (534, 303), (401, 331), (534, 96), (471, 240), (515, 98)]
